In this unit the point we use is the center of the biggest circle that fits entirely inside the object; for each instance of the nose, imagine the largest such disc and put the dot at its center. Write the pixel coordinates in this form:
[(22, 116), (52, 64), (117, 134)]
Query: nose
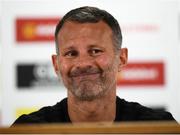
[(84, 61)]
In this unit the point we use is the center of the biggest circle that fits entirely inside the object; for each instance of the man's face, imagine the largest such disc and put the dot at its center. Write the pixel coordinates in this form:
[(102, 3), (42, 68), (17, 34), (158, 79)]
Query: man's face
[(87, 62)]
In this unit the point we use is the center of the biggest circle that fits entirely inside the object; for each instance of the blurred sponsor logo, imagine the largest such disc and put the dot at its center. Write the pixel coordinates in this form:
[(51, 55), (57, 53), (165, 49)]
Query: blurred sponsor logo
[(140, 28), (42, 29), (134, 74), (147, 73), (35, 29), (36, 75)]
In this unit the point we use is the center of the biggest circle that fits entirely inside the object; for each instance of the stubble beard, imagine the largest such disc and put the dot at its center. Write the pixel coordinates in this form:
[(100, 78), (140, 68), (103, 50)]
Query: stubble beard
[(88, 90)]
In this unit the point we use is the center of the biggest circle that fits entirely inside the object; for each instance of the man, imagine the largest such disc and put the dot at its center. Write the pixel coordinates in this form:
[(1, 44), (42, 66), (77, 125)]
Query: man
[(89, 57)]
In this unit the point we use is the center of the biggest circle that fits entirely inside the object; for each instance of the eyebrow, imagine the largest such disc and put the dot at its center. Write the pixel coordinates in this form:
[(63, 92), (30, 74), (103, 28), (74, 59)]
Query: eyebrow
[(90, 46), (68, 48), (74, 47), (95, 46)]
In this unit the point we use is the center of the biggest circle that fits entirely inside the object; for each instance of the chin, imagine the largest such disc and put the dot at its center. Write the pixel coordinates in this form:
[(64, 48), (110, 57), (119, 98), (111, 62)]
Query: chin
[(89, 95)]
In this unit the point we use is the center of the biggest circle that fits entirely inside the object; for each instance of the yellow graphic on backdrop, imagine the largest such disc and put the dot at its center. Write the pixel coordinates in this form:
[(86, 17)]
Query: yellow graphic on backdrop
[(21, 111)]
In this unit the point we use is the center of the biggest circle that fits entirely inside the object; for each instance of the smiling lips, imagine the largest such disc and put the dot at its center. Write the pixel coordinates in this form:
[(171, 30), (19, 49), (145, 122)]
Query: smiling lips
[(85, 76), (87, 73), (84, 72)]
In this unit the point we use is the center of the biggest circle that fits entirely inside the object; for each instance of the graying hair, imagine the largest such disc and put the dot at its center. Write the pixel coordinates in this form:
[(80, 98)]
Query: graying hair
[(93, 15)]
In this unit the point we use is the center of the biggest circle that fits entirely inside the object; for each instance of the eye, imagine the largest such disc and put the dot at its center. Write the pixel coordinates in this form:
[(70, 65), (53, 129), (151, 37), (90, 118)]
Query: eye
[(95, 52), (71, 53)]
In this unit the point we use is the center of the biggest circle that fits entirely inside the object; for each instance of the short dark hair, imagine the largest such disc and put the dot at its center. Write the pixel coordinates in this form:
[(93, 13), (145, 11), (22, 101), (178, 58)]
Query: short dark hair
[(93, 15)]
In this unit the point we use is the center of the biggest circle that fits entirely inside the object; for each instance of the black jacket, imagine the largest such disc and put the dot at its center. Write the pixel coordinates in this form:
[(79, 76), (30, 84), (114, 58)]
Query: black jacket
[(125, 111)]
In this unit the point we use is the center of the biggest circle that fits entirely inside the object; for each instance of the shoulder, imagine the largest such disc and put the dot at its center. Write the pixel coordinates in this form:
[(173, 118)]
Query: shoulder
[(46, 114), (133, 111)]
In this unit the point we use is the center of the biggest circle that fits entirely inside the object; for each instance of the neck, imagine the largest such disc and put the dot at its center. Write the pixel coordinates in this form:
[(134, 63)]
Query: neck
[(102, 109)]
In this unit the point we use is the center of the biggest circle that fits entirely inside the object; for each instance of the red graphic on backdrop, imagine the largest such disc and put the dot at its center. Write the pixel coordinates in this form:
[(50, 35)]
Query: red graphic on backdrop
[(35, 29), (42, 29), (144, 73), (140, 28)]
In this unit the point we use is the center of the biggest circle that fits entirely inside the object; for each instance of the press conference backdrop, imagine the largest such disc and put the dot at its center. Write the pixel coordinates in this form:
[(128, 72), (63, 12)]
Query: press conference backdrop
[(150, 32)]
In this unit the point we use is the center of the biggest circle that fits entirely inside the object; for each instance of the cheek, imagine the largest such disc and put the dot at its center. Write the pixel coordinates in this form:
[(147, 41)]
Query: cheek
[(104, 62), (64, 67), (108, 64)]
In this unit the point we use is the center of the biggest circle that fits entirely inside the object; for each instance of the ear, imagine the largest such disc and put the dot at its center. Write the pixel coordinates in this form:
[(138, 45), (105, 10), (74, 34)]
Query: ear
[(55, 63), (123, 58)]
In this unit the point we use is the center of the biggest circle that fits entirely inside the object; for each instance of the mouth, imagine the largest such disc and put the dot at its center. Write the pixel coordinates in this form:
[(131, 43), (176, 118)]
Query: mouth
[(86, 76)]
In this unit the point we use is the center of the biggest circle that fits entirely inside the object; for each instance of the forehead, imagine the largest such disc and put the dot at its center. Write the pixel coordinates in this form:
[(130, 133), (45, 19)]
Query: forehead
[(71, 31)]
